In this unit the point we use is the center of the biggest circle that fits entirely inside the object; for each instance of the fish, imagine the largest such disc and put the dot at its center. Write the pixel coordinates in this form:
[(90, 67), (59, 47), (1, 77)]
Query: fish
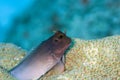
[(43, 58)]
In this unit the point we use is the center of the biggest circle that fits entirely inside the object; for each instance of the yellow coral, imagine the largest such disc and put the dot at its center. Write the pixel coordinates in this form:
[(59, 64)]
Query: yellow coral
[(5, 76), (10, 55)]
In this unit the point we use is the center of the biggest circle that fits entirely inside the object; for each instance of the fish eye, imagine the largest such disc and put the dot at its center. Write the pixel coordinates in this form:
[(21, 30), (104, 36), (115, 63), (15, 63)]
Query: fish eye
[(60, 36)]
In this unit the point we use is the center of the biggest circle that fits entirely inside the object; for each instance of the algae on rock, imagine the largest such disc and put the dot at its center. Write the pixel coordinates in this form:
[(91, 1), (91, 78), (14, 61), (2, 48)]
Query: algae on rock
[(85, 60)]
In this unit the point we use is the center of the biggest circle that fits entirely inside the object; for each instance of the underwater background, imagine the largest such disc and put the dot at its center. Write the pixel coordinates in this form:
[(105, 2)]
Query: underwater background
[(28, 22)]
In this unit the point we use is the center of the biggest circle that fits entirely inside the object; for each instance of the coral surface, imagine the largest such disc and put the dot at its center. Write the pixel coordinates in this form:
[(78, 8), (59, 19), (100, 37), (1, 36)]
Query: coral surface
[(85, 60), (10, 56), (4, 75)]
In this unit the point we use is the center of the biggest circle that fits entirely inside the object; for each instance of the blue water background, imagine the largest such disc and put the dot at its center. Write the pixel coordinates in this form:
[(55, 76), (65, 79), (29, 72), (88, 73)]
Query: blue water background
[(27, 23)]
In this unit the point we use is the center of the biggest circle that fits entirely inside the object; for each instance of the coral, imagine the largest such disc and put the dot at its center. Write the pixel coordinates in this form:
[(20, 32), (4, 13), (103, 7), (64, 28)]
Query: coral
[(5, 76), (85, 60), (10, 55)]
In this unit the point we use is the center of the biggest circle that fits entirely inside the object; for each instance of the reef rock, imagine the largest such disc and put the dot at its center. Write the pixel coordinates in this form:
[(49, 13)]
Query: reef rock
[(85, 60)]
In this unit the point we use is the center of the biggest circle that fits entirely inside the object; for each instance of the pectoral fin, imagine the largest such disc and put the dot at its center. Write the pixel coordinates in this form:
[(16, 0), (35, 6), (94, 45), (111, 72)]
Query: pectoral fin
[(58, 68)]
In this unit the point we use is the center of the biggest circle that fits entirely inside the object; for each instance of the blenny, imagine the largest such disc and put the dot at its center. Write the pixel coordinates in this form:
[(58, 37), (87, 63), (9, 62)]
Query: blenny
[(43, 58)]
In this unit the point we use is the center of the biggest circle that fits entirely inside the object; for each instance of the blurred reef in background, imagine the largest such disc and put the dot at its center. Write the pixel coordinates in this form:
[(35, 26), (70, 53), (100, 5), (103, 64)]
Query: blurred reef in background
[(85, 19)]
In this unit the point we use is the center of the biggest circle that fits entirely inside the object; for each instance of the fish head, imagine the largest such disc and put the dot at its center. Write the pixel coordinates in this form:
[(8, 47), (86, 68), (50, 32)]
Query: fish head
[(59, 43)]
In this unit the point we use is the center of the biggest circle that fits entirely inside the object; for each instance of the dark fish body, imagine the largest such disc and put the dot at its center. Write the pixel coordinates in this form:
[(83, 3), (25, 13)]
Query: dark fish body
[(43, 58)]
